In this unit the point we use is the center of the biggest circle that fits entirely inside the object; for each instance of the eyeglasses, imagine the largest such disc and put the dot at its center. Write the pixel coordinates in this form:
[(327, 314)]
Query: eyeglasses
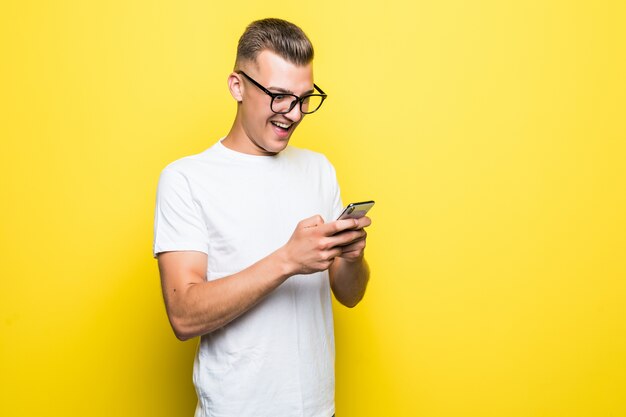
[(283, 103)]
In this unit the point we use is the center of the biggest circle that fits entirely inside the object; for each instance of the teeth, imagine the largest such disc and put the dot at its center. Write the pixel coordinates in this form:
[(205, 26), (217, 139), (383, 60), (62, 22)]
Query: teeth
[(283, 125)]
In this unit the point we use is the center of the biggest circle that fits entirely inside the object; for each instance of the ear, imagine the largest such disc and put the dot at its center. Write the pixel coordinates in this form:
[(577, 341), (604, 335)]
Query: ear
[(235, 86)]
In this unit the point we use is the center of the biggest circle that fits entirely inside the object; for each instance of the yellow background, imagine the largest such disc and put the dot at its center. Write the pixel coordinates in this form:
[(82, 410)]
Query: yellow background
[(490, 133)]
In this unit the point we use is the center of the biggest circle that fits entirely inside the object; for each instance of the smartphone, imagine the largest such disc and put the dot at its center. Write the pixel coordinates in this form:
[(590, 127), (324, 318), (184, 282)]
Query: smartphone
[(356, 210)]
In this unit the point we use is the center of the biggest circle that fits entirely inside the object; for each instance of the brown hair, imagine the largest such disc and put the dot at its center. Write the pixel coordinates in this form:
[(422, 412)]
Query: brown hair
[(279, 36)]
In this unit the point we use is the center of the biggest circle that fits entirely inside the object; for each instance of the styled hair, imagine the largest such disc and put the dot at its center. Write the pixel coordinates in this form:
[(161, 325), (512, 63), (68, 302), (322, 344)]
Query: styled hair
[(279, 36)]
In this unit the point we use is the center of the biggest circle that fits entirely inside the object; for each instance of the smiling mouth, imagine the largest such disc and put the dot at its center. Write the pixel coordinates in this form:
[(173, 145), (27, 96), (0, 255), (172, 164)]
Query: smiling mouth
[(283, 126)]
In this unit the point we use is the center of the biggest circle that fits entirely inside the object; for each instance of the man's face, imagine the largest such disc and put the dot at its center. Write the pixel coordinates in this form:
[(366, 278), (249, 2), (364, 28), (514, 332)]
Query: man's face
[(266, 132)]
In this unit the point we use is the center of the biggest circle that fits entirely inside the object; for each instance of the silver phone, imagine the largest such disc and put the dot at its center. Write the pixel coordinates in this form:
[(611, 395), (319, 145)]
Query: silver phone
[(356, 210)]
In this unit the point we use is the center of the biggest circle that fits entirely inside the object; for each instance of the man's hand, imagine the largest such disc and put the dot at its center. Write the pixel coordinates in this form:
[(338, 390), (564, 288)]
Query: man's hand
[(196, 306), (353, 251), (314, 245)]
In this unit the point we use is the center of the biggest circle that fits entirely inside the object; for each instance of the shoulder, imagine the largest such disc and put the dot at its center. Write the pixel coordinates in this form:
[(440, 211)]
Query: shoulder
[(184, 174), (190, 162), (189, 166)]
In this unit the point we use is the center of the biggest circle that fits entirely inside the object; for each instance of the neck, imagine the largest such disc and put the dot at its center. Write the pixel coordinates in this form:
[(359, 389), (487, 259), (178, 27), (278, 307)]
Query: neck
[(238, 140)]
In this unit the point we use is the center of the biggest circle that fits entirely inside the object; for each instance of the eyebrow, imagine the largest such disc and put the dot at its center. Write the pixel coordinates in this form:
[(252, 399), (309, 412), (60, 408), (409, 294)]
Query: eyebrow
[(283, 90)]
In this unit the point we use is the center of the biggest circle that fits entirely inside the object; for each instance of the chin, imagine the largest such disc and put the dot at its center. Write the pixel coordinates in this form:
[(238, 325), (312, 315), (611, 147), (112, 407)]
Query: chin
[(275, 150), (277, 146)]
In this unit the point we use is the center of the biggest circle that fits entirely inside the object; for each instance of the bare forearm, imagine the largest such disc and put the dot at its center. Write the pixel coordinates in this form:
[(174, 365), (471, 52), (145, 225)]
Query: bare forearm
[(203, 307), (196, 306), (348, 280)]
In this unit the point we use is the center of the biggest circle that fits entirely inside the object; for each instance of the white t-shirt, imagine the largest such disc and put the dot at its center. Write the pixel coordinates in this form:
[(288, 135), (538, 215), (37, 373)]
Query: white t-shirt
[(277, 359)]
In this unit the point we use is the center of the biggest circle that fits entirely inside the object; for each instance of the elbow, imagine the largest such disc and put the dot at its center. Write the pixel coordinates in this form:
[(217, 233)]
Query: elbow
[(182, 336), (181, 330), (185, 329), (349, 300), (352, 302)]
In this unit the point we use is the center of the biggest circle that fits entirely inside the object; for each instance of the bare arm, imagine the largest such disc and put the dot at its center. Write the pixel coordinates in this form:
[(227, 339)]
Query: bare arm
[(349, 272), (196, 306)]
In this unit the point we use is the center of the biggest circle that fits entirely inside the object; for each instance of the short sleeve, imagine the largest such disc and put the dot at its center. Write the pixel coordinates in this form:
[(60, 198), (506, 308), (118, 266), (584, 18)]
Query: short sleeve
[(178, 222), (337, 205)]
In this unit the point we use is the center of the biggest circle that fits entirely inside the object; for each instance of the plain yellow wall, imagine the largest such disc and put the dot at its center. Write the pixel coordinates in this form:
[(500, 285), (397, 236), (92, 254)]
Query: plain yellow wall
[(490, 133)]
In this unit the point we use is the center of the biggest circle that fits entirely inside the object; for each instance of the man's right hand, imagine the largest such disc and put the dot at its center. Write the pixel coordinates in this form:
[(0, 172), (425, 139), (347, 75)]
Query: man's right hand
[(314, 245), (196, 306)]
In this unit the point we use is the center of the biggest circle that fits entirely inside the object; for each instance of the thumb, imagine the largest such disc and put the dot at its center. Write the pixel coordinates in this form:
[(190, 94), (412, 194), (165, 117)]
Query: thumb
[(313, 221)]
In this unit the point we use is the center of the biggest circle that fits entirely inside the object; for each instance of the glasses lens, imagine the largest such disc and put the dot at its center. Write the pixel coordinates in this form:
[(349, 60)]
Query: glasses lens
[(311, 103), (283, 103)]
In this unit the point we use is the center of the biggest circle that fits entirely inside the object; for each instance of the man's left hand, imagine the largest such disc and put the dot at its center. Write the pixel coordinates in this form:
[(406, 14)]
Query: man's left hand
[(353, 250)]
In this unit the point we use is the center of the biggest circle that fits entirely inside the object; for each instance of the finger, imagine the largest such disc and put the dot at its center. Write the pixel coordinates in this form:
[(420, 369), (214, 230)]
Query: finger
[(355, 244), (354, 254), (339, 226), (354, 251), (347, 238), (331, 254), (364, 222), (357, 224), (353, 247)]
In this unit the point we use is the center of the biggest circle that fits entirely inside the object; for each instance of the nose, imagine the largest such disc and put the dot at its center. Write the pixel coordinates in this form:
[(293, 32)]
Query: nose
[(294, 114)]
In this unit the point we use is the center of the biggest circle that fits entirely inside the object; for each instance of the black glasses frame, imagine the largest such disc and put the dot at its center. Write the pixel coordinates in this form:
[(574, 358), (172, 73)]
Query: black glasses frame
[(293, 102)]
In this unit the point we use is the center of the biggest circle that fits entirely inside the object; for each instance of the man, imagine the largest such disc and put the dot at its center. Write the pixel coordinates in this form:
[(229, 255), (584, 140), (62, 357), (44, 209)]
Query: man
[(248, 248)]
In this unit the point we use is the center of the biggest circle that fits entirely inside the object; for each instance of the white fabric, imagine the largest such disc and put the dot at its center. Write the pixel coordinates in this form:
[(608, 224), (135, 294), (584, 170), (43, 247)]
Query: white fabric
[(278, 358)]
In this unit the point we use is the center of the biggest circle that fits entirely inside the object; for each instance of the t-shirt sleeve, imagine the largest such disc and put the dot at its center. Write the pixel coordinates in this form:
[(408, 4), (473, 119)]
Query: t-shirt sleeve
[(337, 205), (178, 223)]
